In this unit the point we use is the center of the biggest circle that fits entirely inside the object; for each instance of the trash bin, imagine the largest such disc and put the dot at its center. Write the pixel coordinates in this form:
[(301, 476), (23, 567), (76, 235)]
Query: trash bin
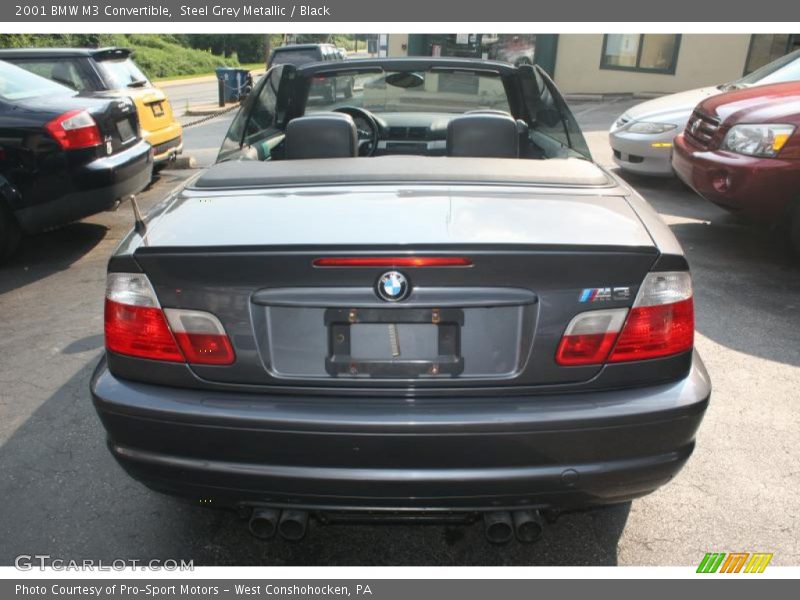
[(233, 84)]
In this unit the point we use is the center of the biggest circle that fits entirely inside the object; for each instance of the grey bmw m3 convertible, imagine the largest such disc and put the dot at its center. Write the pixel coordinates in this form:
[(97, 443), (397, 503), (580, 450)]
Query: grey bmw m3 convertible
[(422, 301)]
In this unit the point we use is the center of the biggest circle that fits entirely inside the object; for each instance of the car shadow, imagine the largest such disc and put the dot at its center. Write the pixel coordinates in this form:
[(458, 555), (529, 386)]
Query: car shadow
[(65, 496), (742, 271), (43, 254)]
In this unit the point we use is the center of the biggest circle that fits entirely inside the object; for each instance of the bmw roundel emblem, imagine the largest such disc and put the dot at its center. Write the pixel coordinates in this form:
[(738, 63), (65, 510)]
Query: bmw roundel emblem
[(393, 286)]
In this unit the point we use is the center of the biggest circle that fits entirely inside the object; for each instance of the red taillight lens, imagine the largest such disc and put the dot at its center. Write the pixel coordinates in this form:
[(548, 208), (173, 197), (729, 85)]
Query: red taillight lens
[(589, 337), (75, 129), (139, 331), (201, 337), (661, 323), (206, 348), (389, 262), (654, 331), (586, 349), (135, 325)]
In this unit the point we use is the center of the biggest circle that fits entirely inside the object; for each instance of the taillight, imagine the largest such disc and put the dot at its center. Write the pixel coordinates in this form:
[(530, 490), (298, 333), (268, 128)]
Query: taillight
[(660, 323), (135, 325), (590, 336), (75, 129), (200, 336), (393, 261)]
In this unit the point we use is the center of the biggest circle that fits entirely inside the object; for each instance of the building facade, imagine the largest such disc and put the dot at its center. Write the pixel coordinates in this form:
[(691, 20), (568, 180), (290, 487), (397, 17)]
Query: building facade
[(613, 63)]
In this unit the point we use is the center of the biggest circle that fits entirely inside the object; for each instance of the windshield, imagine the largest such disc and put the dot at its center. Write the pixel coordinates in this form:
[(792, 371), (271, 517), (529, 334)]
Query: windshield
[(295, 57), (420, 91), (786, 68), (19, 84), (119, 74)]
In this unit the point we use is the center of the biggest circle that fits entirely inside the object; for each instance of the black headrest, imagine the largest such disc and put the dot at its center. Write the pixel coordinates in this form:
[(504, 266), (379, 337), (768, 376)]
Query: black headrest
[(483, 135), (321, 135)]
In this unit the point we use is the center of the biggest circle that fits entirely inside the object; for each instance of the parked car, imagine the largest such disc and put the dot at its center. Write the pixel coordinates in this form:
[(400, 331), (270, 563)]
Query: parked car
[(108, 72), (62, 156), (741, 151), (450, 312), (642, 137), (517, 50), (303, 54)]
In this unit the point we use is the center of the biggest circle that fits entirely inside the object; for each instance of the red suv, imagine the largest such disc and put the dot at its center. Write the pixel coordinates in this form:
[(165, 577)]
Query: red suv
[(741, 151)]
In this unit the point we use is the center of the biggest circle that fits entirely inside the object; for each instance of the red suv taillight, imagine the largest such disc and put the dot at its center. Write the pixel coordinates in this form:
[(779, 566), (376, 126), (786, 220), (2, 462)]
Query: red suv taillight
[(135, 325), (75, 129), (660, 323)]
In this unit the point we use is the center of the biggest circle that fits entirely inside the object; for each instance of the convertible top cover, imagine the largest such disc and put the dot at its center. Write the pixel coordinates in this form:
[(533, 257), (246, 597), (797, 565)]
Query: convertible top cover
[(568, 172)]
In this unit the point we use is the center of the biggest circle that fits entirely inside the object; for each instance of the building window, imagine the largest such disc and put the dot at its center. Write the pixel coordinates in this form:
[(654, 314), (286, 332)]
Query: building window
[(766, 47), (647, 52)]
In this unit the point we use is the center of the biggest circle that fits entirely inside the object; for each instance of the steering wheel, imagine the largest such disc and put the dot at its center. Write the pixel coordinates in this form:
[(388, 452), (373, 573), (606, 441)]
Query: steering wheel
[(367, 137)]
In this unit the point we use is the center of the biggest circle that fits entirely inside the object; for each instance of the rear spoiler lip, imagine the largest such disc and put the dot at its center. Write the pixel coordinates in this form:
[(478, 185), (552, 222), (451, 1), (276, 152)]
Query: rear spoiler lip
[(356, 250), (111, 53)]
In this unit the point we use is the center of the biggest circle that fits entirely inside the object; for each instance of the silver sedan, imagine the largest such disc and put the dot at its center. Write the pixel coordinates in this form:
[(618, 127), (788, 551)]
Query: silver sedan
[(642, 137)]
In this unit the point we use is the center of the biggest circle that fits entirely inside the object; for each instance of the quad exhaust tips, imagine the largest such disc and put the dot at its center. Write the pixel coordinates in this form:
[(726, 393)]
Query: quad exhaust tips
[(266, 522), (501, 526)]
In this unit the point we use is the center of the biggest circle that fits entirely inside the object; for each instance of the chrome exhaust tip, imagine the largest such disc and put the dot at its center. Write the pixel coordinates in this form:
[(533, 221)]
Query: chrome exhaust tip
[(263, 523), (292, 525), (498, 527), (528, 526)]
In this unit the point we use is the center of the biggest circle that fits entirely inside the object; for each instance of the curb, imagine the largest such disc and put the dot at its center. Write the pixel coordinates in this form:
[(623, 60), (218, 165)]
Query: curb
[(199, 79), (184, 162), (204, 110), (613, 97), (584, 97)]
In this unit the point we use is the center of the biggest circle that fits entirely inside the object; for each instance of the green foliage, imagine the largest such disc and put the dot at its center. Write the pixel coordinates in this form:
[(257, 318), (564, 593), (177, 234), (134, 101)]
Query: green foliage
[(249, 48), (170, 55), (157, 55)]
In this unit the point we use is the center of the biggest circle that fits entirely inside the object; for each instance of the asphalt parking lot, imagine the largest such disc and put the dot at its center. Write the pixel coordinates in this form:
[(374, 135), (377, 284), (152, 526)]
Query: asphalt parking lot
[(63, 494)]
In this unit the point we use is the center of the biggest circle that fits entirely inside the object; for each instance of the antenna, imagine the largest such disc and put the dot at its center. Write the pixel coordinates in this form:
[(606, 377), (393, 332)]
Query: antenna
[(138, 221)]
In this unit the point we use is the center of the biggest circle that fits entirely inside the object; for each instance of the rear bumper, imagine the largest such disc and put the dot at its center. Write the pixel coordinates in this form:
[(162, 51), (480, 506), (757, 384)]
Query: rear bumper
[(166, 141), (93, 188), (759, 188), (167, 150), (560, 451)]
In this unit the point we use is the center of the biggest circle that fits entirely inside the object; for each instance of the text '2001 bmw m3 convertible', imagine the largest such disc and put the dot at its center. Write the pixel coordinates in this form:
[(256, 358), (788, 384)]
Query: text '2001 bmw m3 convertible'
[(421, 300)]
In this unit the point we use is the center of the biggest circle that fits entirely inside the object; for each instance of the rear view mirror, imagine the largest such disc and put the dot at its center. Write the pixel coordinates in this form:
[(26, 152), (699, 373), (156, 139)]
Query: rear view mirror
[(405, 80)]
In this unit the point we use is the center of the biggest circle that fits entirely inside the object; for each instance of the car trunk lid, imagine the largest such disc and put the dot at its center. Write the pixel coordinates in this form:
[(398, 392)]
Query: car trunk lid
[(249, 257), (154, 108), (118, 123)]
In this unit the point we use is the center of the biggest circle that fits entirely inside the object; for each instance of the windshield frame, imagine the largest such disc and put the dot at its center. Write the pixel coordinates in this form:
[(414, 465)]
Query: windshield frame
[(345, 70)]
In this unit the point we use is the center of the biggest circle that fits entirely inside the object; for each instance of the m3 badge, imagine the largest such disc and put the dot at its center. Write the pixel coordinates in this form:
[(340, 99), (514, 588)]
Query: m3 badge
[(605, 294)]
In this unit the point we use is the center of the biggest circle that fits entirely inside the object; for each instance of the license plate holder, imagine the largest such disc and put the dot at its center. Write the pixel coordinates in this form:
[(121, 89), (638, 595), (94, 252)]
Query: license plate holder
[(447, 361), (125, 130)]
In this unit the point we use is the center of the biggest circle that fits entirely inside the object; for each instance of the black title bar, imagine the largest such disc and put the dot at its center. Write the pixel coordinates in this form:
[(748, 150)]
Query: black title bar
[(443, 11)]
